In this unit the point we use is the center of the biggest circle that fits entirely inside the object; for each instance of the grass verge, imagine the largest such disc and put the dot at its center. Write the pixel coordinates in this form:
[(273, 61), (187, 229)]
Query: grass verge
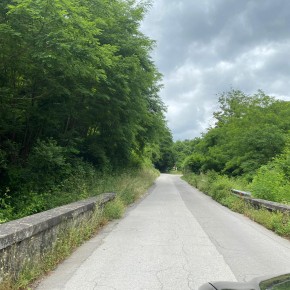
[(219, 188)]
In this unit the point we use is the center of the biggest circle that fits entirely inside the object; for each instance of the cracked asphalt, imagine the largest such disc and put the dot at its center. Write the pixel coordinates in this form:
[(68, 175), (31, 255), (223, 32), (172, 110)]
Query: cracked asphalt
[(174, 238)]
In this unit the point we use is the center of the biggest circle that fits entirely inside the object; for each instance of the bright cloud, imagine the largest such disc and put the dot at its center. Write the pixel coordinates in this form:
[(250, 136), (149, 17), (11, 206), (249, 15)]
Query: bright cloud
[(207, 47)]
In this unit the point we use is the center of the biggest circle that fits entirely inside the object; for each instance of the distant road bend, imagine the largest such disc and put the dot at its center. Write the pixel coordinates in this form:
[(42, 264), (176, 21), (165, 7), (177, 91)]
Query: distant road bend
[(175, 238)]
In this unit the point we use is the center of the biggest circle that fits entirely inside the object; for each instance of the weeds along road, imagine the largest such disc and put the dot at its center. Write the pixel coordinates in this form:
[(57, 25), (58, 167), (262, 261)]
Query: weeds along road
[(175, 238)]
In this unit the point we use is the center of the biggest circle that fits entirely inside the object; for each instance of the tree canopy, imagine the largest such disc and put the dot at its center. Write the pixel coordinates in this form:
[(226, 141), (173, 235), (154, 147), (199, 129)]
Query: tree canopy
[(249, 132), (76, 81)]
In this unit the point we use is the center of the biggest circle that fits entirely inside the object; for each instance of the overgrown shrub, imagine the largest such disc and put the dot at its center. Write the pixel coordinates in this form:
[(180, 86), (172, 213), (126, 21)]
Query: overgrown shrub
[(268, 184), (221, 188), (6, 212), (272, 181), (193, 163), (47, 163)]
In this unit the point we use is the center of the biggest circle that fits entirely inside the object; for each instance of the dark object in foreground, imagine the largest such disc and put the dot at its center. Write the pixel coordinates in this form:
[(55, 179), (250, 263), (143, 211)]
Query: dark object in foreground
[(281, 282)]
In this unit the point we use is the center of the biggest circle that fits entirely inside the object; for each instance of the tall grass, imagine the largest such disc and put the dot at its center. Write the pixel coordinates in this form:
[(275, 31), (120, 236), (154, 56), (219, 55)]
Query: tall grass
[(129, 186)]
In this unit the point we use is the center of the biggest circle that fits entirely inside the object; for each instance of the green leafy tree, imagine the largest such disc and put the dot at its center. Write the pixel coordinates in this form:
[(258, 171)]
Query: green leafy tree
[(249, 132), (78, 73), (182, 149), (166, 160)]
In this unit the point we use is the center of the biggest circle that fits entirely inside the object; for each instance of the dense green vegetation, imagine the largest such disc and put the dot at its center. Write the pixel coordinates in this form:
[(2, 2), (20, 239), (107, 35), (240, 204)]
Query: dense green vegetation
[(79, 98), (250, 141), (129, 189)]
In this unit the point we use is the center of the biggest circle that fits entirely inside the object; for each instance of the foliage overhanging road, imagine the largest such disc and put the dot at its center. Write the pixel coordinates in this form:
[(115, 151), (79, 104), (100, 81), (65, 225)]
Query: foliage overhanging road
[(175, 238)]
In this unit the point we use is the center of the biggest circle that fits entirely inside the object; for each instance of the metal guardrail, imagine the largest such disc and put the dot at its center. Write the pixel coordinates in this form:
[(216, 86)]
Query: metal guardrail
[(269, 205)]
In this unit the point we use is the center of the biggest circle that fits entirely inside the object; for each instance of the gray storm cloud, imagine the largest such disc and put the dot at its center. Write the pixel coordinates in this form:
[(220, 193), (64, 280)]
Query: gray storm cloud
[(207, 47)]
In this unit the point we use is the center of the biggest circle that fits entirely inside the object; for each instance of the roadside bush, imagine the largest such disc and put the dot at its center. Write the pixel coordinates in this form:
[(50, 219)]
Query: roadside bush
[(47, 164), (30, 203), (209, 179), (221, 188), (268, 184), (193, 163), (272, 180), (6, 212)]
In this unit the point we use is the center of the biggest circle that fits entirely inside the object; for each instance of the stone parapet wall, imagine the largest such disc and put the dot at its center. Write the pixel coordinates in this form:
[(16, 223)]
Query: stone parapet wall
[(24, 241), (261, 203)]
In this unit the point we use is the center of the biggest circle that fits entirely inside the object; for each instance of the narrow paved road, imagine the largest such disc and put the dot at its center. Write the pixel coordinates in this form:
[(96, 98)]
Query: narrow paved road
[(175, 238)]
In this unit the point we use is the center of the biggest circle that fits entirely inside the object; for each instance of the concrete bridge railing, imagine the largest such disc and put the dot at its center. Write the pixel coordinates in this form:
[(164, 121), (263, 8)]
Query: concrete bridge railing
[(25, 240), (269, 205)]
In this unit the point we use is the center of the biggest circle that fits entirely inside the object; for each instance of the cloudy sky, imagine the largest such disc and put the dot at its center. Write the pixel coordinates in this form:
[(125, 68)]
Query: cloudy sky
[(206, 47)]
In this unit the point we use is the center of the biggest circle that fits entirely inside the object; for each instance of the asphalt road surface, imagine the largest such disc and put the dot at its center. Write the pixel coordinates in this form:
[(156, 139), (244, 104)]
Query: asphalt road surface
[(174, 238)]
